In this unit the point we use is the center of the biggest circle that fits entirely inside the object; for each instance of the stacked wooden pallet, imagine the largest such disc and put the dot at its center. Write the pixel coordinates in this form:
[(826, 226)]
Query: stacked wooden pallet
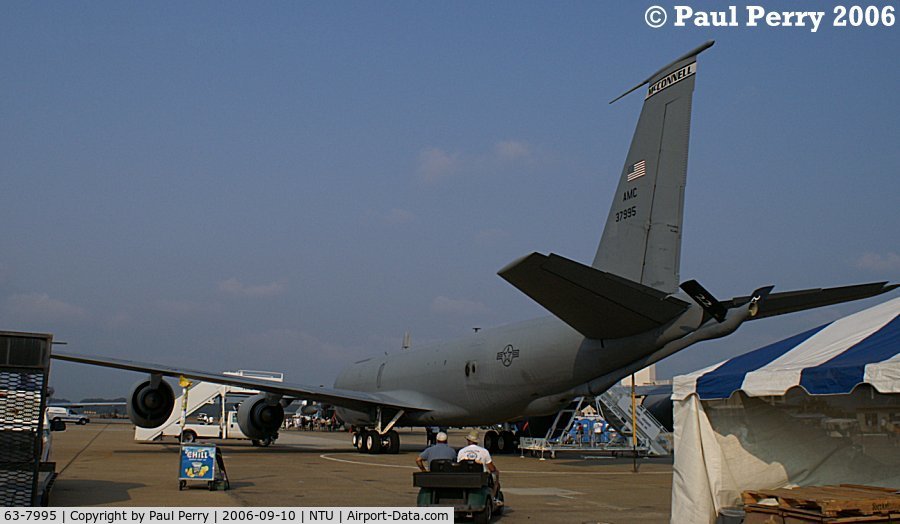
[(846, 503)]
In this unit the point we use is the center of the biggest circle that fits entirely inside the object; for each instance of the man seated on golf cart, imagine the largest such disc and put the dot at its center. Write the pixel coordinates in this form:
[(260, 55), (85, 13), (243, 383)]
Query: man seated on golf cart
[(475, 453), (439, 451)]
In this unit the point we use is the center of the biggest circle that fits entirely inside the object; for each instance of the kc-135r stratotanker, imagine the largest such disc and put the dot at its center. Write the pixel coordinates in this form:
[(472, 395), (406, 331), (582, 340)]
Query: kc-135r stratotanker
[(610, 319)]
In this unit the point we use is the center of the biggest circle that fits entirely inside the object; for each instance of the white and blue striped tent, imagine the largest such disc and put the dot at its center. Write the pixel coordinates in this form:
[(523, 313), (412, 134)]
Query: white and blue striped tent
[(726, 442), (832, 359)]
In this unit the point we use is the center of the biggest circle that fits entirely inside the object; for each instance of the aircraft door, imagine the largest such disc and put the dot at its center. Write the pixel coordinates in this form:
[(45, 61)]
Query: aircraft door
[(474, 375)]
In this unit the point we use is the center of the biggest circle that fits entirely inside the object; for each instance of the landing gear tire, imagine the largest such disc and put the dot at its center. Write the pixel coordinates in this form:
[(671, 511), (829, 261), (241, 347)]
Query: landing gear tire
[(490, 442), (507, 442), (373, 442), (503, 443), (354, 439), (393, 447)]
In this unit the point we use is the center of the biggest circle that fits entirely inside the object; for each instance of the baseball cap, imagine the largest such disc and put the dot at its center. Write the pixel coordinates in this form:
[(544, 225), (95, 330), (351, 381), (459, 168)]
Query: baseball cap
[(441, 437)]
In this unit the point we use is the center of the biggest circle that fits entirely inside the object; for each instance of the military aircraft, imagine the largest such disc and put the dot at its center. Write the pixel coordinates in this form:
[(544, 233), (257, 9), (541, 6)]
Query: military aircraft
[(610, 319)]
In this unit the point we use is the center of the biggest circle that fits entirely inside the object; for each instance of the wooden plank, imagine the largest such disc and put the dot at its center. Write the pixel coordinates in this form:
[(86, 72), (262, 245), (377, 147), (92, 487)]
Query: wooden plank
[(830, 501)]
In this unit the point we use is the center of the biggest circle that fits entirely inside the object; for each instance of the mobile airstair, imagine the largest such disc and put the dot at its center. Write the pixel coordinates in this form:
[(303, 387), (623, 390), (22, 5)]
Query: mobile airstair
[(616, 409), (614, 406)]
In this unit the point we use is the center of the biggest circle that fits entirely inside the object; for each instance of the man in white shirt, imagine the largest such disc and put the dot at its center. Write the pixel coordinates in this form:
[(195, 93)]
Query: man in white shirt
[(481, 456)]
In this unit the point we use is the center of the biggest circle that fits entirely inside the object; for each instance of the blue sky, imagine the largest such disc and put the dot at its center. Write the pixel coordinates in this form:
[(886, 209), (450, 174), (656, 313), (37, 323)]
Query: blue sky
[(293, 185)]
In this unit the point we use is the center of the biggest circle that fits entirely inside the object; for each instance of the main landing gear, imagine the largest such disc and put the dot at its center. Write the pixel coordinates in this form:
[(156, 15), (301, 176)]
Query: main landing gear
[(370, 441), (500, 443)]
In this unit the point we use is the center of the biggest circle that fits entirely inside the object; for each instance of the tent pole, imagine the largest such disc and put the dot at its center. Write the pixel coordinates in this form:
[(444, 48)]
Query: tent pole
[(633, 427)]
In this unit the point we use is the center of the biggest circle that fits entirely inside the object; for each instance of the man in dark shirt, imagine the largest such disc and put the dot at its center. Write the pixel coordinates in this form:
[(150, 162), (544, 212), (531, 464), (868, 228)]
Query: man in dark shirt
[(439, 451)]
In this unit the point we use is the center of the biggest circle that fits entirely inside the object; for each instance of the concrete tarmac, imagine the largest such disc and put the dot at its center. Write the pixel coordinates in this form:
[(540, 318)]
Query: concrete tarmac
[(101, 465)]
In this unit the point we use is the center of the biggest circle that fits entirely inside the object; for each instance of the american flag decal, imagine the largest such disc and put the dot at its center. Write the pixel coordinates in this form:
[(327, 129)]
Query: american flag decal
[(636, 171)]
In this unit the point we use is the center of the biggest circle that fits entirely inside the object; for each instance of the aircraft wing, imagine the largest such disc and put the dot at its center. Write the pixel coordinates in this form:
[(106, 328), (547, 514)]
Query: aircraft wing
[(792, 301), (357, 400), (85, 404), (597, 304)]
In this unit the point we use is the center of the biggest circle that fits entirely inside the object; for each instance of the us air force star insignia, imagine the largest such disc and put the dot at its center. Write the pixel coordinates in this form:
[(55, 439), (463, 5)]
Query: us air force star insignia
[(507, 355)]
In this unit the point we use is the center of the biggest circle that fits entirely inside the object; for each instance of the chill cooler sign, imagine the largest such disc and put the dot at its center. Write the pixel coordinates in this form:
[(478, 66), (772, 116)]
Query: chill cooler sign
[(198, 463)]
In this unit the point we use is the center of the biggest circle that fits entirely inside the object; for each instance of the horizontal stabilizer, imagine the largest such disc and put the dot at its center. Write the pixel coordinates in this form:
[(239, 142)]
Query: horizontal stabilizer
[(597, 304), (703, 297), (792, 301)]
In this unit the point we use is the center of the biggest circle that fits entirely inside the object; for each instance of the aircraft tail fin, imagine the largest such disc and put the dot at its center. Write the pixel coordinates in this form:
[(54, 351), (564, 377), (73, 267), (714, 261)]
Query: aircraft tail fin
[(598, 305), (642, 237)]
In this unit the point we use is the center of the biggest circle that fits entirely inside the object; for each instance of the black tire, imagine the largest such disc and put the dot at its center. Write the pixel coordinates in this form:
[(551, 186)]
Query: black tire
[(266, 442), (503, 443), (82, 421), (490, 441), (354, 440), (394, 442), (484, 516), (506, 443), (500, 498), (364, 441), (373, 442), (188, 437)]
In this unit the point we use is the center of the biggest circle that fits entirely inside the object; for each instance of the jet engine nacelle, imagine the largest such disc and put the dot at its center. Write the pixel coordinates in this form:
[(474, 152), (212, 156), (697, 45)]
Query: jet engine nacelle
[(309, 409), (258, 418), (149, 406)]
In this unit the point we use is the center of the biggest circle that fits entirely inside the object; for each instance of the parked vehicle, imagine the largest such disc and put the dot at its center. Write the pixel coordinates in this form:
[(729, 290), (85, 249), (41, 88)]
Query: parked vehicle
[(230, 429), (66, 415), (463, 485)]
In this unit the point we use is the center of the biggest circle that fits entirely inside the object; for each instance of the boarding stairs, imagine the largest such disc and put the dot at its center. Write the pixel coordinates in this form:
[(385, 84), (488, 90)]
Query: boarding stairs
[(557, 436), (615, 405), (558, 432)]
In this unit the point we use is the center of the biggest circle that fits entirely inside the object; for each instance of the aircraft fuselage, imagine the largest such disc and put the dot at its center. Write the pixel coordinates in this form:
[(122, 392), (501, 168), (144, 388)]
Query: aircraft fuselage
[(501, 374)]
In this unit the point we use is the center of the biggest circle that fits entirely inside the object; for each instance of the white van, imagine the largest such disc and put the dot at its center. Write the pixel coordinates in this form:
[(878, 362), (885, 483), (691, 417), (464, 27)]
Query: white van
[(66, 415)]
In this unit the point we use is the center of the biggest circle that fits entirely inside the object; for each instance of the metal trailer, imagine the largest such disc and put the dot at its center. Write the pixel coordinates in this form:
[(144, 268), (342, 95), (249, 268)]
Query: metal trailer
[(26, 476)]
